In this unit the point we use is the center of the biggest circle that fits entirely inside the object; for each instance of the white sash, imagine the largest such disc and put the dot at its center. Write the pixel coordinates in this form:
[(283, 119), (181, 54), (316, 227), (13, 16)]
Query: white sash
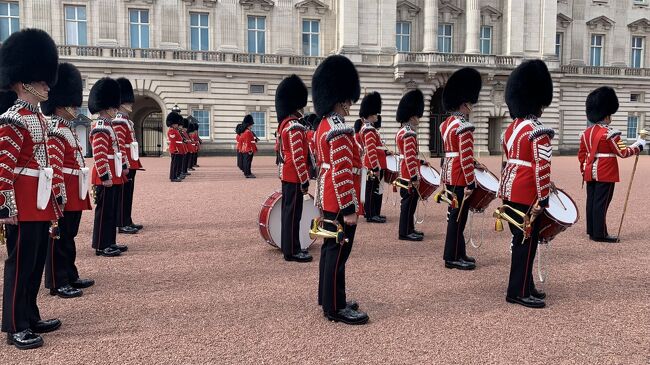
[(135, 152), (515, 133), (449, 127), (364, 177), (44, 194), (117, 160), (84, 182)]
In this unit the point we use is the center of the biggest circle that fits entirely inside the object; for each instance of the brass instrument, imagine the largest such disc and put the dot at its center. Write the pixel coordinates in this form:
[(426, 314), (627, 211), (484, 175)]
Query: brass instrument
[(399, 184), (317, 230), (446, 196), (500, 214)]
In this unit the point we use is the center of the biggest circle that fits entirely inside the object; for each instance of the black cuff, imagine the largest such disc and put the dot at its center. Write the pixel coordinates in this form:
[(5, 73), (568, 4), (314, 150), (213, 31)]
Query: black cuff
[(104, 177), (640, 148), (351, 209), (305, 185), (59, 200), (375, 170), (414, 178), (423, 162), (543, 203), (124, 167), (471, 186)]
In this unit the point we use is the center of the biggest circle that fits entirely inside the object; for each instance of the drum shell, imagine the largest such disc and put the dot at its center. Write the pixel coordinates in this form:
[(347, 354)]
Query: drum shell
[(480, 199), (391, 175), (427, 188), (549, 227), (265, 217)]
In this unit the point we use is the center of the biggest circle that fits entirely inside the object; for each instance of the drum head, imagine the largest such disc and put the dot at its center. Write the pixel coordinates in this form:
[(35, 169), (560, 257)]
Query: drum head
[(391, 163), (487, 180), (309, 212), (562, 208), (430, 175), (275, 222)]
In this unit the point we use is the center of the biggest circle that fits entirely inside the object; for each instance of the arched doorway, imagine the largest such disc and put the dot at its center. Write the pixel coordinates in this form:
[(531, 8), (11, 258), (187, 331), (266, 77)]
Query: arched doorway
[(147, 116), (437, 115)]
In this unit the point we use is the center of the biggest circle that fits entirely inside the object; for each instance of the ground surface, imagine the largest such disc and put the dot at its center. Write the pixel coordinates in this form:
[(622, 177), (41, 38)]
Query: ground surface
[(198, 286)]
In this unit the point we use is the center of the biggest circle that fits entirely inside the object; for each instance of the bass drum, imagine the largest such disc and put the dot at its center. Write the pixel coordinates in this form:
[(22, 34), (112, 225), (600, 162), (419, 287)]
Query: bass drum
[(270, 220)]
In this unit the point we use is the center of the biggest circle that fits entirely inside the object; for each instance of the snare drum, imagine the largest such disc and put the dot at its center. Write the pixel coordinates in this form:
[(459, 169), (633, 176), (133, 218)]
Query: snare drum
[(270, 220), (487, 185), (392, 169), (560, 214), (429, 182)]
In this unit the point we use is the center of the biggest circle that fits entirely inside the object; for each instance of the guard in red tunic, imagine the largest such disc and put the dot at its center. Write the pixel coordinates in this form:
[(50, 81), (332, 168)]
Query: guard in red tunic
[(239, 129), (460, 94), (600, 144), (175, 141), (110, 168), (409, 111), (382, 153), (335, 86), (28, 206), (248, 146), (526, 177), (187, 148), (61, 275), (357, 165), (196, 141), (371, 142), (290, 99)]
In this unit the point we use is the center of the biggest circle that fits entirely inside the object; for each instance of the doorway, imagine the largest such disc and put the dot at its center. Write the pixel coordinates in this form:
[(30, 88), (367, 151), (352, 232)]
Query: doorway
[(437, 115)]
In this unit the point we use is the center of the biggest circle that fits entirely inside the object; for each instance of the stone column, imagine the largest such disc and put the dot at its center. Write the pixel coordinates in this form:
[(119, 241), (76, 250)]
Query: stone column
[(549, 28), (170, 27), (430, 26), (514, 28), (283, 27), (42, 16), (108, 29), (473, 26), (227, 23), (578, 28), (387, 21), (348, 26)]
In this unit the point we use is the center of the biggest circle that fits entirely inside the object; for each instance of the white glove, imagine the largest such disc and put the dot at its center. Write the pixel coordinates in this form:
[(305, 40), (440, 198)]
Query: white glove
[(641, 142)]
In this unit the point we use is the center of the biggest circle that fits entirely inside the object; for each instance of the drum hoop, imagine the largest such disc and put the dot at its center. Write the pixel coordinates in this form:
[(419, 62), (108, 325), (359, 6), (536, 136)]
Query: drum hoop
[(272, 199), (434, 169), (485, 187), (546, 213)]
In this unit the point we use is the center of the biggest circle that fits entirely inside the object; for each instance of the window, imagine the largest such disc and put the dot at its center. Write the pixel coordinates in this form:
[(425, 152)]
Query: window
[(558, 45), (139, 27), (635, 98), (632, 124), (259, 128), (199, 32), (75, 25), (311, 38), (637, 52), (596, 50), (199, 87), (486, 40), (203, 116), (257, 89), (9, 19), (403, 36), (256, 34), (445, 36)]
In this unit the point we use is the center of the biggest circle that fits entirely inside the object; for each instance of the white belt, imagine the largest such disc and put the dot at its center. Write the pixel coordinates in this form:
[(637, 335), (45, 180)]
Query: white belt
[(355, 170), (26, 171), (70, 171), (127, 145), (519, 162), (401, 156), (601, 155), (110, 157), (179, 141), (452, 154)]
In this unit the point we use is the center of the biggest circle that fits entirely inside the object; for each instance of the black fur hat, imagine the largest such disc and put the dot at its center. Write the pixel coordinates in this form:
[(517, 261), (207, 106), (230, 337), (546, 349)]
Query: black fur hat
[(7, 100), (291, 95), (26, 56), (173, 118), (126, 91), (370, 105), (308, 120), (68, 90), (529, 88), (357, 125), (335, 80), (462, 87), (186, 123), (601, 103), (104, 94), (412, 104), (378, 122), (239, 129), (248, 120)]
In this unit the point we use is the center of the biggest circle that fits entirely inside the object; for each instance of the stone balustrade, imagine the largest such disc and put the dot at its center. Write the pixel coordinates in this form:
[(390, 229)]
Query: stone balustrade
[(455, 59), (604, 71)]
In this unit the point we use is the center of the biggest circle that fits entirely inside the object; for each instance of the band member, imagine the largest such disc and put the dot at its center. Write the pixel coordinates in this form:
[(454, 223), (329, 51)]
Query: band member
[(173, 121), (382, 152), (125, 133), (526, 177), (357, 164), (600, 144), (239, 129), (184, 148), (290, 100), (335, 86), (194, 134), (310, 123), (371, 142), (459, 96), (409, 111), (249, 146), (28, 68), (110, 168)]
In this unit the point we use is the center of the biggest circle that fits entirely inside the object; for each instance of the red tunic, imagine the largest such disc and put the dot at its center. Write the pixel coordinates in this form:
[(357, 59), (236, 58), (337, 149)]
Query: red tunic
[(294, 151), (407, 146), (197, 141), (599, 147), (526, 177), (371, 144), (357, 165), (121, 128), (187, 142), (458, 139), (105, 145), (130, 139), (335, 151), (175, 141), (248, 143)]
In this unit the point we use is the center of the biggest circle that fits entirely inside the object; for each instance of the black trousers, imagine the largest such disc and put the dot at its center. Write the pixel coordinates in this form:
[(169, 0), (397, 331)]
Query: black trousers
[(291, 213), (175, 167), (126, 201), (455, 242), (247, 163), (408, 206), (599, 195), (184, 161), (105, 227), (60, 269), (523, 255), (333, 256), (26, 253), (372, 205), (240, 161), (195, 159)]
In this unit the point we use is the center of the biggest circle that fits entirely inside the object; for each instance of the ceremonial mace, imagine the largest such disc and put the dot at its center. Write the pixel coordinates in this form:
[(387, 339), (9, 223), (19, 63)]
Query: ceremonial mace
[(642, 134)]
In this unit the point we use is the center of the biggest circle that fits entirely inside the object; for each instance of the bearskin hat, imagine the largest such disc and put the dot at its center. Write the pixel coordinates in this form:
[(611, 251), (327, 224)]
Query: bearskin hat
[(357, 125), (462, 87), (291, 95), (412, 104), (239, 129), (335, 81), (173, 118), (7, 100), (68, 90), (104, 94), (378, 122), (248, 120), (370, 105), (529, 88), (185, 123), (601, 103), (26, 56), (126, 91)]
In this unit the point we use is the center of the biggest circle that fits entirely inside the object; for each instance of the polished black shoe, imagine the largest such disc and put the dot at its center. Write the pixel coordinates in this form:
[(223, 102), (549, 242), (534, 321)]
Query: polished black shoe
[(299, 257), (419, 233), (375, 219), (382, 216), (352, 304), (460, 265), (539, 294), (108, 252), (66, 292), (82, 283), (24, 340), (529, 302), (251, 176), (191, 169), (46, 325), (608, 239), (348, 316), (176, 180), (469, 259), (121, 248), (411, 237), (127, 230), (188, 174), (137, 226)]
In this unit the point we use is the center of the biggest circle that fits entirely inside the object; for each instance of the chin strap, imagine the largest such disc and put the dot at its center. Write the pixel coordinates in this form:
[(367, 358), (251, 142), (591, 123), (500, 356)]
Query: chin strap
[(30, 89)]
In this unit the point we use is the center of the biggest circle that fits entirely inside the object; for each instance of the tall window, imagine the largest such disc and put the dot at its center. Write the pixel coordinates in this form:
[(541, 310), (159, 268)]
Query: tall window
[(139, 26), (632, 126), (445, 37), (637, 52), (486, 40), (259, 128), (75, 25), (203, 116), (403, 36), (199, 32), (257, 34), (558, 45), (596, 50), (9, 19), (311, 38)]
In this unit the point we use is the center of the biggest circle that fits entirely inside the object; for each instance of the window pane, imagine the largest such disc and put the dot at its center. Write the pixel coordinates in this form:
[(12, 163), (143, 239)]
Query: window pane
[(315, 26), (251, 22), (4, 9), (135, 43), (69, 12), (259, 128), (305, 26), (71, 33), (194, 21), (251, 41), (194, 38), (144, 37), (82, 34), (305, 44), (260, 42), (15, 24), (81, 13), (13, 10), (314, 45), (144, 16), (133, 16), (261, 22)]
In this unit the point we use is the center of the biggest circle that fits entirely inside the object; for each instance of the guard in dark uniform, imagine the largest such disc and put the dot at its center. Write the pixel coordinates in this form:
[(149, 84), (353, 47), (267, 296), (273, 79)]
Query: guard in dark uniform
[(600, 145), (371, 141), (173, 121), (460, 94)]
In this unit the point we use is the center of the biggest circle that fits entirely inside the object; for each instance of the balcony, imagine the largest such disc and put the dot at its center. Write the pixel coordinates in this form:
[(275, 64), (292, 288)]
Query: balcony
[(605, 71), (456, 59)]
